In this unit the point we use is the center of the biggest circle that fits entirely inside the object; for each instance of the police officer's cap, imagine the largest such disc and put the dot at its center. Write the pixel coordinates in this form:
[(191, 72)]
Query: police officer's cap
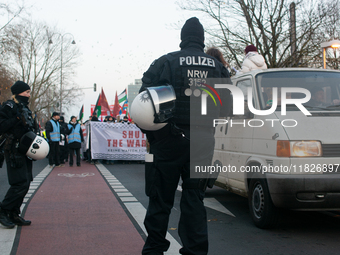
[(19, 87)]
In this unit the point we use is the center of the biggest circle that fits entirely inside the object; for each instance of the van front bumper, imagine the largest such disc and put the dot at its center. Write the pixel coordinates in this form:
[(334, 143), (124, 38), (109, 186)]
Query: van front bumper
[(305, 191)]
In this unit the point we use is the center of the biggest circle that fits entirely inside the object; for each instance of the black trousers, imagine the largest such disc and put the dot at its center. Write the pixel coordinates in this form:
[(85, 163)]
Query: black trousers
[(19, 178), (54, 155), (172, 162), (64, 151), (72, 151)]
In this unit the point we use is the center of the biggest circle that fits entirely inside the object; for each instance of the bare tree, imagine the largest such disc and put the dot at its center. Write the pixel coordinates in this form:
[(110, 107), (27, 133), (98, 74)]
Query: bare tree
[(8, 13), (6, 81), (39, 63), (266, 24), (11, 11)]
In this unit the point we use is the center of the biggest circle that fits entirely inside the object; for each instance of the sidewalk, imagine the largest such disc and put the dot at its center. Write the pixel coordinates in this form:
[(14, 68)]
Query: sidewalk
[(75, 212)]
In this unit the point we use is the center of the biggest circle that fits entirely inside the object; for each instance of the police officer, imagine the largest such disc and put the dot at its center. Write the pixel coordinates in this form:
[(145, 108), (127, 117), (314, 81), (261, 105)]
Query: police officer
[(16, 120), (186, 70), (53, 137)]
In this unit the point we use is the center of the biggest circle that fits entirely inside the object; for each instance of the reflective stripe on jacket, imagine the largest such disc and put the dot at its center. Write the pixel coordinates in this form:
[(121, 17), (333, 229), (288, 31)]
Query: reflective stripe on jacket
[(75, 134), (55, 135)]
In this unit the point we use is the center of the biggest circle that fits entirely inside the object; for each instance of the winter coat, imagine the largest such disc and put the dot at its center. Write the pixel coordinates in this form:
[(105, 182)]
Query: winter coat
[(252, 61)]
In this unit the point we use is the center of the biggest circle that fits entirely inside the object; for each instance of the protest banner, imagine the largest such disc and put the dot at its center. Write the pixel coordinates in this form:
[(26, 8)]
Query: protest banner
[(118, 141)]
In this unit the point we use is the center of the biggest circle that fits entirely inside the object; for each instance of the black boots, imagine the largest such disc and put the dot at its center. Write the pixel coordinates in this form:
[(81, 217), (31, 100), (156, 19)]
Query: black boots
[(18, 220), (5, 220)]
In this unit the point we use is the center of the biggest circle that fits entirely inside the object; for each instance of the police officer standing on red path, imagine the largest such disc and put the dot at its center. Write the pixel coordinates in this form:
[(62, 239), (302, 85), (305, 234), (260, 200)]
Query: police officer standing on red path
[(171, 145), (15, 121)]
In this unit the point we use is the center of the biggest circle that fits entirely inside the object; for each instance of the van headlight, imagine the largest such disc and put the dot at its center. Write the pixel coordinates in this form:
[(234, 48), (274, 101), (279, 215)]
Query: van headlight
[(298, 149)]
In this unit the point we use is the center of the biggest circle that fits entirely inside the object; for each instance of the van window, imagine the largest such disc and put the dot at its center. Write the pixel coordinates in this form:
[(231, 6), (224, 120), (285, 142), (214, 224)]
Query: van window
[(244, 85), (323, 86)]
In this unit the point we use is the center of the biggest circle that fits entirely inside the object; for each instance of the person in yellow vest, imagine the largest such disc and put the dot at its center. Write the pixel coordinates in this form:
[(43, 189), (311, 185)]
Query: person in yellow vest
[(53, 138), (44, 134)]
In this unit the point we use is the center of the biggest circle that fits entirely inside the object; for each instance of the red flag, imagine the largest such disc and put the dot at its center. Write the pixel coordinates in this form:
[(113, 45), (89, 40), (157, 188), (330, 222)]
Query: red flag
[(102, 107), (105, 108), (116, 107)]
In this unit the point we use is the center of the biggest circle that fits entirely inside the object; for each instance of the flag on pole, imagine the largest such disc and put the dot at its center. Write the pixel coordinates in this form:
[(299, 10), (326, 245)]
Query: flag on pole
[(122, 98), (124, 108), (116, 107), (81, 114), (102, 106), (97, 108)]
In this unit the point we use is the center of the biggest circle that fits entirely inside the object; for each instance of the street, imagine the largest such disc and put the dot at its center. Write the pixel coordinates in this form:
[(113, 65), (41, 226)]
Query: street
[(231, 230)]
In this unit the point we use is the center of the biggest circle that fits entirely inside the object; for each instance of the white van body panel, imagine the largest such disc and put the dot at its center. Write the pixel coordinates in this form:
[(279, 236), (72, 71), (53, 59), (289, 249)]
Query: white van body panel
[(245, 142)]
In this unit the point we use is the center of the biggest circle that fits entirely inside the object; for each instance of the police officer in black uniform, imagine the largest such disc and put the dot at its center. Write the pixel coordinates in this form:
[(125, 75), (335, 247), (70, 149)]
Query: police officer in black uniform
[(16, 120), (185, 70)]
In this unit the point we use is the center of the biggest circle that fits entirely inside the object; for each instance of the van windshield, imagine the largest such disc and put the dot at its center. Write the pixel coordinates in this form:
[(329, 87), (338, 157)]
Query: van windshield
[(323, 86)]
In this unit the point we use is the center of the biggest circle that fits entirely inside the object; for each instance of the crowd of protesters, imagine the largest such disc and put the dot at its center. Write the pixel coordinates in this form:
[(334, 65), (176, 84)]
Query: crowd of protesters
[(65, 140)]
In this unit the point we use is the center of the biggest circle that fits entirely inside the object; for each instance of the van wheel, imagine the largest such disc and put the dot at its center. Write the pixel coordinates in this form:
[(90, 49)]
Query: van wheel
[(265, 215)]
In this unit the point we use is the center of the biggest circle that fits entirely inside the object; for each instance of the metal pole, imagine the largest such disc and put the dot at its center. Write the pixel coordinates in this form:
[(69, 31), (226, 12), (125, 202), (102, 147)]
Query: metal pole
[(61, 76), (292, 33), (324, 58)]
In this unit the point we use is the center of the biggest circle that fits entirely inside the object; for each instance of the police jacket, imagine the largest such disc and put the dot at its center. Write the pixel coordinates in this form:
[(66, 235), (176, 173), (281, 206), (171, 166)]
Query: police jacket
[(16, 118), (53, 130), (187, 70)]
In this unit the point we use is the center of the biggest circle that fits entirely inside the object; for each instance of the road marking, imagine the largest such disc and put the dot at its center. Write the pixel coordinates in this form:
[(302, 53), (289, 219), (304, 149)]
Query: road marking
[(212, 203), (7, 236), (76, 175), (136, 209)]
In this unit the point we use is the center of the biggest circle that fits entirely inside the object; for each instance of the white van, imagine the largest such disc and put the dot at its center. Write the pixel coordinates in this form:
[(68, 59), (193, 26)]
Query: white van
[(283, 161)]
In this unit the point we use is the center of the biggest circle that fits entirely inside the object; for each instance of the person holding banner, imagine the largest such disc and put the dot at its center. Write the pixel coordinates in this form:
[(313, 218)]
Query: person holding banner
[(171, 147)]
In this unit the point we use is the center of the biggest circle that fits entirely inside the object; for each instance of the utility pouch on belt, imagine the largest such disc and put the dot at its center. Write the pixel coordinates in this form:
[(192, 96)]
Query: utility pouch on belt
[(150, 176), (16, 159)]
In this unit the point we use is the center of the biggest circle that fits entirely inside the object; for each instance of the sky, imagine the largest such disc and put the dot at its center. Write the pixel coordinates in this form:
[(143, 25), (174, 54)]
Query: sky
[(118, 40)]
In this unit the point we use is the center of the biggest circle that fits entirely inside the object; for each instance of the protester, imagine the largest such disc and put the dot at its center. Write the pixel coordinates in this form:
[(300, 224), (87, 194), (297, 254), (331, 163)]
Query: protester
[(111, 119), (14, 124), (89, 157), (75, 138), (63, 141), (125, 120), (171, 150), (53, 138), (252, 61), (216, 53)]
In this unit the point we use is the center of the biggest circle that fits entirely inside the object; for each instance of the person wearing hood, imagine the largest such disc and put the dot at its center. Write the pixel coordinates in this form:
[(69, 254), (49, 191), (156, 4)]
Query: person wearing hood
[(15, 121), (252, 61), (75, 138), (170, 146)]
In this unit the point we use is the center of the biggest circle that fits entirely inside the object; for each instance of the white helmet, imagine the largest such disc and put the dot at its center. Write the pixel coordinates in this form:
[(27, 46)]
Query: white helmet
[(153, 107), (34, 146)]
